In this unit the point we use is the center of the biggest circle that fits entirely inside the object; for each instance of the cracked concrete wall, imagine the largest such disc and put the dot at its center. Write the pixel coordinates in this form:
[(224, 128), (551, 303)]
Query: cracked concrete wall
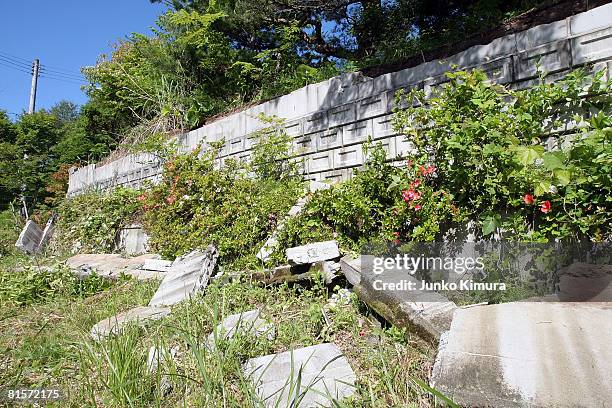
[(330, 120)]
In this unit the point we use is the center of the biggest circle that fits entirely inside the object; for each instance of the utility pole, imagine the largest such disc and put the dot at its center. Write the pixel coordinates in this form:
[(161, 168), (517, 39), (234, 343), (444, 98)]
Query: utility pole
[(35, 70)]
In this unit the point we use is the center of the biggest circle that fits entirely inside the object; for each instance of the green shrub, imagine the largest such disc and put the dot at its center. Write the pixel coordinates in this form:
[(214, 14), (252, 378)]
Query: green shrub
[(197, 204), (90, 221)]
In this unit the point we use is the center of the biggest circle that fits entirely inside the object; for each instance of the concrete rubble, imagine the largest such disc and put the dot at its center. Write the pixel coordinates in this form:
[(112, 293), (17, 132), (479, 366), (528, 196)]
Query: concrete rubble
[(429, 313), (187, 276), (270, 245), (137, 316), (315, 252), (324, 372), (527, 354), (248, 322), (32, 238), (112, 265)]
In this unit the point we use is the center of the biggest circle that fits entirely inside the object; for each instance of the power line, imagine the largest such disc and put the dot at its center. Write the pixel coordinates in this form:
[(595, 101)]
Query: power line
[(18, 64), (29, 61), (61, 70), (70, 76), (15, 68), (72, 81)]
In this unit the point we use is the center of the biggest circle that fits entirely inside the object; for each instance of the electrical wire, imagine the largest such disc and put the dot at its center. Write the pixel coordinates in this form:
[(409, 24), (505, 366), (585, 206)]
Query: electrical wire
[(15, 68)]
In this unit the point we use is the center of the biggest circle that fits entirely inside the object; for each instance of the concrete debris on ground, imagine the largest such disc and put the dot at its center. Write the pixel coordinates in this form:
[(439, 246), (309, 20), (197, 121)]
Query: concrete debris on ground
[(247, 323), (428, 312), (132, 240), (528, 354), (110, 265), (115, 324), (315, 252), (583, 282), (187, 276), (272, 242), (324, 372), (341, 298)]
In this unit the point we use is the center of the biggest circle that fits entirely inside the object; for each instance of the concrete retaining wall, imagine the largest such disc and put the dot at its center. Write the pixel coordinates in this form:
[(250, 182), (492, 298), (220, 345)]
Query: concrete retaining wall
[(330, 120)]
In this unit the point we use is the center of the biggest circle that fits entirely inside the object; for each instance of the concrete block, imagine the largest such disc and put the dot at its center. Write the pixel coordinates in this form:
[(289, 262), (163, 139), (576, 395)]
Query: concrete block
[(552, 57), (372, 106), (402, 146), (328, 139), (106, 265), (341, 115), (382, 126), (315, 122), (324, 372), (429, 313), (356, 132), (245, 323), (133, 240), (29, 238), (116, 324), (591, 20), (348, 156), (319, 162), (592, 47), (311, 253), (188, 276), (527, 354), (499, 71), (542, 34), (294, 128)]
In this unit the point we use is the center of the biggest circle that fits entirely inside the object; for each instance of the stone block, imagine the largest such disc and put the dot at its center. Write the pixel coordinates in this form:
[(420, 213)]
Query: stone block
[(311, 253), (137, 316), (348, 156), (428, 312), (542, 34), (551, 58), (527, 354), (592, 47), (106, 265), (29, 238), (245, 323), (187, 276), (132, 240), (591, 20), (325, 375)]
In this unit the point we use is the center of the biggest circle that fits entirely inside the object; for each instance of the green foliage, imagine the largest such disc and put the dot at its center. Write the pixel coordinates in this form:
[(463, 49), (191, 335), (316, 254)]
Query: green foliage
[(486, 143), (9, 231), (90, 221), (198, 203), (33, 285), (272, 154)]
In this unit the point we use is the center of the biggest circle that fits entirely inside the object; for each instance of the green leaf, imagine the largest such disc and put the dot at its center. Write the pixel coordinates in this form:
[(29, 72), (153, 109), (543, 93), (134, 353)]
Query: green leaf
[(563, 177), (554, 160), (542, 187), (490, 223), (529, 154)]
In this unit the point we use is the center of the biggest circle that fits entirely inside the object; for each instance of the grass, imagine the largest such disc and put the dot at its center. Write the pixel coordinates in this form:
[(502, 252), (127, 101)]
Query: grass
[(45, 342)]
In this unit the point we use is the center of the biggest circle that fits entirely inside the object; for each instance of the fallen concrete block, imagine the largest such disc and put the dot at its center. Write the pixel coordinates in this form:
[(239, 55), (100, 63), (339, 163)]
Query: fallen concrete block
[(30, 237), (325, 375), (527, 354), (245, 323), (106, 265), (160, 265), (311, 253), (187, 276), (583, 282), (388, 293), (132, 240), (47, 233), (138, 316)]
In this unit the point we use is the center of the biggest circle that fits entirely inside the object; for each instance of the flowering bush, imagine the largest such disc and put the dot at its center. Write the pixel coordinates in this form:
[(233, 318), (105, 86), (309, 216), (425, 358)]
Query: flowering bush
[(484, 143)]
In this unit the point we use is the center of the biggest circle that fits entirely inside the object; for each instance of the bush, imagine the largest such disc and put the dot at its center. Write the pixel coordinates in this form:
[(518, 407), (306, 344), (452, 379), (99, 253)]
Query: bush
[(90, 221)]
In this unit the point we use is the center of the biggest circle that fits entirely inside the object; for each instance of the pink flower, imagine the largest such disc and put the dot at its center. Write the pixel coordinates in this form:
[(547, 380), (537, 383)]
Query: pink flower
[(410, 195), (417, 207), (545, 207), (415, 183), (528, 199)]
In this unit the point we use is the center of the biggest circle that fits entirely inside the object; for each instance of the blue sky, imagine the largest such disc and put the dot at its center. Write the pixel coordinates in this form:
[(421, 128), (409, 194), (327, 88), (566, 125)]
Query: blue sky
[(65, 35)]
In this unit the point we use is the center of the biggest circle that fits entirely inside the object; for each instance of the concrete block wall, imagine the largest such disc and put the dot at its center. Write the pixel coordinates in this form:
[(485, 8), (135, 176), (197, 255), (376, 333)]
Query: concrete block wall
[(330, 120)]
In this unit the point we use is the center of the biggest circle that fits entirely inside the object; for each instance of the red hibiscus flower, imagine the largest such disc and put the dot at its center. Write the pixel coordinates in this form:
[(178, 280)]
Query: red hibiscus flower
[(417, 207), (415, 183), (528, 199), (545, 207)]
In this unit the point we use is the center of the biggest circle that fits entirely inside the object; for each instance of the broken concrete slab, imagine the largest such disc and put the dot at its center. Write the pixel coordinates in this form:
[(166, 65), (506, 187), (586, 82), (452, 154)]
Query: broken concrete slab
[(324, 372), (329, 270), (187, 276), (390, 295), (47, 233), (311, 253), (106, 265), (30, 237), (138, 316), (132, 240), (528, 354), (160, 265), (248, 322)]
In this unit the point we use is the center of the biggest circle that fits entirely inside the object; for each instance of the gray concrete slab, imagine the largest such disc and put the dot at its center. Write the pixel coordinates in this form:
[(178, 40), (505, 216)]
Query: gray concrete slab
[(528, 354), (325, 376), (187, 276), (246, 323), (106, 265), (137, 316), (311, 253), (427, 312), (29, 238)]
